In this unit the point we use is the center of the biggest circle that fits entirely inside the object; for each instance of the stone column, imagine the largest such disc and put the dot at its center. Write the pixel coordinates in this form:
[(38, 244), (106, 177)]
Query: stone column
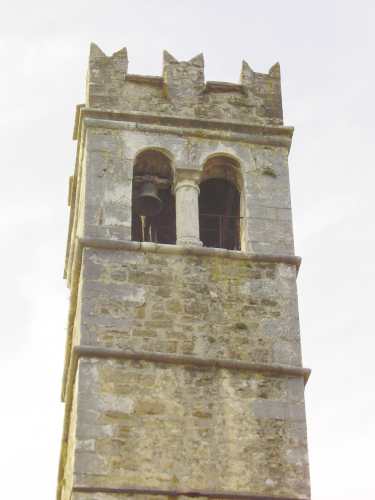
[(187, 208)]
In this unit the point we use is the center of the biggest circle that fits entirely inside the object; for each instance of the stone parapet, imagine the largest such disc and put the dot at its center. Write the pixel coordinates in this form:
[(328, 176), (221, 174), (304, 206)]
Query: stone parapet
[(182, 90)]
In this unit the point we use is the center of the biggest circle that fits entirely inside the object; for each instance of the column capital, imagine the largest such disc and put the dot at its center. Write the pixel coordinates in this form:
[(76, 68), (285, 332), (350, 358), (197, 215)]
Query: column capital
[(187, 175), (187, 184)]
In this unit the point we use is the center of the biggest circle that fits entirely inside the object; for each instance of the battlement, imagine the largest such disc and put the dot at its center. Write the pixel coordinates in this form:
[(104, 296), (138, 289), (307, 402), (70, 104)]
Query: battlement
[(182, 90)]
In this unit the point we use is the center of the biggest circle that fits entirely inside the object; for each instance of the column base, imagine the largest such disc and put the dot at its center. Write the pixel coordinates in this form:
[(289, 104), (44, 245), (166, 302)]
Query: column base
[(189, 242)]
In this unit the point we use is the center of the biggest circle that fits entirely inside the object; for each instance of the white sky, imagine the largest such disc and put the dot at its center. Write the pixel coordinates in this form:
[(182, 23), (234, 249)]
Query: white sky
[(326, 51)]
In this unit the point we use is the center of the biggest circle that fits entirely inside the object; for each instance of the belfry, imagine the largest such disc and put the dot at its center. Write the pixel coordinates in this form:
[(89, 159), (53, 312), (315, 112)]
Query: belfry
[(183, 373)]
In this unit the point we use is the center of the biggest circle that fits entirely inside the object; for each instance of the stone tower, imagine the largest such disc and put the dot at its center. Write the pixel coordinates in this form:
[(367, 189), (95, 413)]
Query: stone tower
[(183, 374)]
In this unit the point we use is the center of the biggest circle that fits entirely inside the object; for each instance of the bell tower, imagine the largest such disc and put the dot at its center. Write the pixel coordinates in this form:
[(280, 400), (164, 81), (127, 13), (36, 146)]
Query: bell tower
[(183, 374)]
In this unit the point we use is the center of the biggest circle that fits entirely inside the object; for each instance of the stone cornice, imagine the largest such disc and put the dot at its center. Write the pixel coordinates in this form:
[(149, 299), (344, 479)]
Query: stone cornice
[(136, 246), (233, 131), (136, 490), (181, 359)]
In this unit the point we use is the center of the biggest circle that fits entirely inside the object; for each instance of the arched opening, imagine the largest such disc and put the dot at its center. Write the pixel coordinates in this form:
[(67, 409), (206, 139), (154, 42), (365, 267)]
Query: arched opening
[(219, 204), (153, 204)]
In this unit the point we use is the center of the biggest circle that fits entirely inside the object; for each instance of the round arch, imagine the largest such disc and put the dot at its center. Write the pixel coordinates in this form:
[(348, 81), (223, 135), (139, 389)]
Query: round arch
[(223, 166), (152, 187), (220, 202), (154, 160)]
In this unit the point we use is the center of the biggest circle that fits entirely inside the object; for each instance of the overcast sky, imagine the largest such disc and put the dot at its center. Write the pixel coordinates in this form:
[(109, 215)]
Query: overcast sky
[(326, 52)]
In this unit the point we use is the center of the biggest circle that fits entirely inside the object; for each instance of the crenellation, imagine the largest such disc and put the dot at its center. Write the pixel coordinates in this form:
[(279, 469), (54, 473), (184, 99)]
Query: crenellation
[(183, 80), (105, 78), (182, 90)]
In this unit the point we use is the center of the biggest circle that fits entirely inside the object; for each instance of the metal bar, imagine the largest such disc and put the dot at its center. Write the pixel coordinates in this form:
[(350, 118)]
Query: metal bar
[(221, 215), (135, 490), (221, 238)]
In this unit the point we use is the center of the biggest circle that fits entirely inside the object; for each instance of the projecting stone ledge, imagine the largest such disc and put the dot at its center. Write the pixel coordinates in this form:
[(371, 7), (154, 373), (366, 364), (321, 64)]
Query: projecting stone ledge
[(147, 247), (84, 351), (256, 133), (161, 493)]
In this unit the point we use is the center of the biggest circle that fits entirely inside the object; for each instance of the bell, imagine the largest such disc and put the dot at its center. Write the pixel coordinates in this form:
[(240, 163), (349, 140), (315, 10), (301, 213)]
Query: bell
[(147, 201)]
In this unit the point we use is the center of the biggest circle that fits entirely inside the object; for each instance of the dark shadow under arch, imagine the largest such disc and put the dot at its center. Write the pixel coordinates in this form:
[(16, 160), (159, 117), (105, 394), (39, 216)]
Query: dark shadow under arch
[(219, 214), (155, 167)]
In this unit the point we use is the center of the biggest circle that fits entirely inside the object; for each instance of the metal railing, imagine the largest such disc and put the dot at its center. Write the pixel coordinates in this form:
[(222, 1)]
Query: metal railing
[(220, 231), (216, 231)]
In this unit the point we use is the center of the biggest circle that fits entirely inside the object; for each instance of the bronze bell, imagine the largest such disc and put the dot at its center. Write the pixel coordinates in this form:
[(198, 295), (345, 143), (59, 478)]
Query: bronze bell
[(147, 201)]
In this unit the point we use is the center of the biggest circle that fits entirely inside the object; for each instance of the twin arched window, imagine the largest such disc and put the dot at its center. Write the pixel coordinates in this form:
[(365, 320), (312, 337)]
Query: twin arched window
[(153, 202)]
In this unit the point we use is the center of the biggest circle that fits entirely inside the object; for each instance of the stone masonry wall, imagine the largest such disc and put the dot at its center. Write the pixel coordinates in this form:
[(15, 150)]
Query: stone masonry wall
[(174, 427), (185, 427), (206, 306)]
